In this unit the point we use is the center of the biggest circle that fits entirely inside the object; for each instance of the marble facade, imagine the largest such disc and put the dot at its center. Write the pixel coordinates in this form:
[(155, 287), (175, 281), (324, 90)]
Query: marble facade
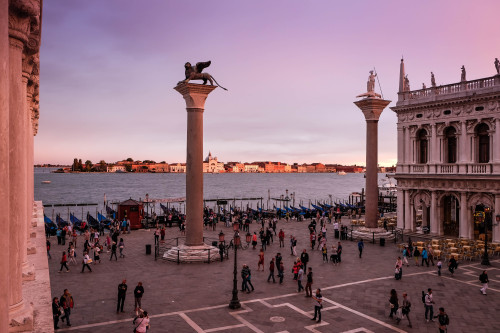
[(448, 168)]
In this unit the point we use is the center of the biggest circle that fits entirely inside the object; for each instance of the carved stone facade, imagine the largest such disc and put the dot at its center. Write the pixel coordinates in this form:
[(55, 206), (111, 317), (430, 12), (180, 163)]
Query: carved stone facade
[(448, 169), (20, 26)]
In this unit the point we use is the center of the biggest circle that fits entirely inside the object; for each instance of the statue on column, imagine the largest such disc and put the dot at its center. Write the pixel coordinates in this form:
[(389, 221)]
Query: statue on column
[(370, 87), (433, 80), (463, 79), (195, 73), (423, 86), (497, 66), (407, 83)]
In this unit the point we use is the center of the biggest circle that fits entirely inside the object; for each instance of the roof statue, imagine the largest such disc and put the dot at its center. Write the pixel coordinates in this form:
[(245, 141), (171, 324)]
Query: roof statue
[(370, 87), (407, 83), (424, 86), (433, 80), (497, 66), (195, 73), (462, 78)]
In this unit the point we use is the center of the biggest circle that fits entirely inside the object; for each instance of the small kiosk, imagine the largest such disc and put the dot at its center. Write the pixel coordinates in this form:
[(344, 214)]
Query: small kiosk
[(133, 211)]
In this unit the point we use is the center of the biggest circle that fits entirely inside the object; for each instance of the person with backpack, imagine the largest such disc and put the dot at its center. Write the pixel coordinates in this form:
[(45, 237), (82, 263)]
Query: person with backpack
[(416, 255), (406, 308), (428, 303), (452, 265), (443, 321), (484, 280)]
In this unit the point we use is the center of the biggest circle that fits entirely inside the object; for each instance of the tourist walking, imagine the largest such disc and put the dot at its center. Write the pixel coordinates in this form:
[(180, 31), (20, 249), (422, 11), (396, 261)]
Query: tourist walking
[(339, 253), (47, 244), (318, 299), (324, 252), (429, 307), (281, 236), (244, 274), (405, 256), (72, 255), (157, 235), (309, 282), (304, 258), (398, 269), (261, 260), (141, 322), (97, 251), (67, 303), (138, 292), (406, 308), (271, 271), (484, 280), (424, 257), (443, 321), (249, 279), (113, 252), (122, 292), (86, 262), (452, 265), (64, 261), (361, 246), (416, 255), (300, 275), (439, 265), (281, 271), (56, 312), (430, 254), (121, 246), (393, 302), (312, 240), (254, 240)]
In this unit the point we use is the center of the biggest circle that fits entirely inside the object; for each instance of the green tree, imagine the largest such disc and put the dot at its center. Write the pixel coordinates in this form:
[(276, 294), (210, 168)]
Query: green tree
[(130, 159), (128, 167), (74, 167), (88, 165)]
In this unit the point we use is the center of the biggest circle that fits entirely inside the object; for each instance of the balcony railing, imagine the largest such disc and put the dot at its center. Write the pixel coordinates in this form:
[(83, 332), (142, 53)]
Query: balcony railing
[(451, 88), (448, 169)]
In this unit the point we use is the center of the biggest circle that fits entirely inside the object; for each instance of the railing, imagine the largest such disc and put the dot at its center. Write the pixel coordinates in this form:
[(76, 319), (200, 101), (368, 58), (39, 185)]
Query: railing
[(451, 88), (447, 169)]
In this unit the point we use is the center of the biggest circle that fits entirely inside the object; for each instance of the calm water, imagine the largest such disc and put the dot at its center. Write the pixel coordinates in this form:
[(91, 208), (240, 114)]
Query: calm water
[(91, 187)]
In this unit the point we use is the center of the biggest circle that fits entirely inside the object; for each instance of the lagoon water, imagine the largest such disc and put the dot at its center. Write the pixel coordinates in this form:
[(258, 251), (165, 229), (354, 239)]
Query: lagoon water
[(91, 187)]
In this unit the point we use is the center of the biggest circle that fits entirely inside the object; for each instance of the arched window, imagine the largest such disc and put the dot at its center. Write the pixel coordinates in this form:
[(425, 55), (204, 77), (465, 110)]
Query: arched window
[(422, 146), (483, 143), (450, 134)]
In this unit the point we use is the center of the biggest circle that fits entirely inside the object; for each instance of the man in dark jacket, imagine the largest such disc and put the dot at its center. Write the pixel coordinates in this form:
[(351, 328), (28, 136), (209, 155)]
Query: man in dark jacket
[(66, 301), (138, 292), (122, 292), (484, 280), (304, 258)]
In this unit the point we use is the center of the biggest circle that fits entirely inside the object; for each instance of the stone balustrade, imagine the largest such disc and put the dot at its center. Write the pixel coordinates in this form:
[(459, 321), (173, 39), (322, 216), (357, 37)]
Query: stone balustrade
[(453, 88), (448, 169)]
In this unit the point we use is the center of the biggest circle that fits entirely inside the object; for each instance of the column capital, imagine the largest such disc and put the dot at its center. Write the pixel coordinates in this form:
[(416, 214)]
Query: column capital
[(195, 95), (372, 107), (23, 14)]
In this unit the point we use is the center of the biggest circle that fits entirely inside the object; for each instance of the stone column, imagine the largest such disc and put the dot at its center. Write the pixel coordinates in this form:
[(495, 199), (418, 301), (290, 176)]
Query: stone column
[(463, 227), (434, 219), (400, 209), (401, 148), (407, 159), (195, 96), (372, 108), (496, 228), (496, 142), (4, 166), (21, 16), (407, 224), (434, 155)]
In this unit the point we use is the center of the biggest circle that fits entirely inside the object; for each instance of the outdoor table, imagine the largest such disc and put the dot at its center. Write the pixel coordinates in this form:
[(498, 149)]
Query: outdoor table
[(453, 249), (420, 243), (435, 246), (454, 255)]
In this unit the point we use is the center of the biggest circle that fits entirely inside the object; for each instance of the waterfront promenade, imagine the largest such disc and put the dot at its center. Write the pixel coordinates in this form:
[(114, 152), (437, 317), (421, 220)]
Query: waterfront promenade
[(195, 297)]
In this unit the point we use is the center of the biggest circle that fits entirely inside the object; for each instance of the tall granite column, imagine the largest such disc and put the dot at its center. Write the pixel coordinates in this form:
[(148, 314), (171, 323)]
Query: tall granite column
[(195, 96), (371, 107), (4, 166)]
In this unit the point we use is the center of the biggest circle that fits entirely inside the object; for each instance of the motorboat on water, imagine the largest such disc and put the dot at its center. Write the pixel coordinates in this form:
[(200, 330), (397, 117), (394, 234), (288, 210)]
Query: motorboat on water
[(341, 173), (46, 182)]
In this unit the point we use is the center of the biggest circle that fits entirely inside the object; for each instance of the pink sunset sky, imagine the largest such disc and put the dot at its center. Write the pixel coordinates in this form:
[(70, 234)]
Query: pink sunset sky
[(293, 69)]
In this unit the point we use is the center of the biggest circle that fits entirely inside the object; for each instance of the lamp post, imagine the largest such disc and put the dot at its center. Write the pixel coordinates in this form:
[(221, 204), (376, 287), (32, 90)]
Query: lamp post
[(235, 302), (487, 218), (147, 208)]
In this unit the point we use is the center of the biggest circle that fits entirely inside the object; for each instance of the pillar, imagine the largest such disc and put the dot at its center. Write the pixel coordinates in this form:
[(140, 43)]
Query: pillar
[(21, 14), (434, 155), (195, 96), (4, 166), (400, 209), (496, 142), (408, 160), (462, 144), (401, 148), (464, 220), (372, 108), (496, 225), (434, 218), (407, 224)]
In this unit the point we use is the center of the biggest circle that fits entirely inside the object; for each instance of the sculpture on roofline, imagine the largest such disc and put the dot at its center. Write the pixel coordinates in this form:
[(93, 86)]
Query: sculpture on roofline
[(433, 80), (370, 87), (497, 66), (407, 83), (195, 73), (463, 79)]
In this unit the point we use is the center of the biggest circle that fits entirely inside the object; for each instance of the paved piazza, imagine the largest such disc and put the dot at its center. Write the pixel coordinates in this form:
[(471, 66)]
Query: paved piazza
[(195, 297)]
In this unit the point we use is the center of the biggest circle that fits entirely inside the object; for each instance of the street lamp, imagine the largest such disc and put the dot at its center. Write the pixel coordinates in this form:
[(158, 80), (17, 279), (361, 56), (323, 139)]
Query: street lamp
[(147, 207), (487, 218), (235, 302)]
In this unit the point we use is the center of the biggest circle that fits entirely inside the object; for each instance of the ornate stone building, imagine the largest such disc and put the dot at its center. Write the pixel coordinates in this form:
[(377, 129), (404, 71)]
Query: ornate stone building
[(20, 35), (212, 165), (448, 169)]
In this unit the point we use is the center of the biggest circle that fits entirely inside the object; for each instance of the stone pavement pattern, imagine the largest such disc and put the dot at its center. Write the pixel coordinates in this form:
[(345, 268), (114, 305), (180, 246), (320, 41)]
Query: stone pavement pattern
[(195, 297)]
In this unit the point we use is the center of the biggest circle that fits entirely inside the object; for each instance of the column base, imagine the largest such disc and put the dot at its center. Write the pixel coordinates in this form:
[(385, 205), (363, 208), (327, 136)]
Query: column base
[(371, 233), (187, 254), (28, 272), (21, 317)]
